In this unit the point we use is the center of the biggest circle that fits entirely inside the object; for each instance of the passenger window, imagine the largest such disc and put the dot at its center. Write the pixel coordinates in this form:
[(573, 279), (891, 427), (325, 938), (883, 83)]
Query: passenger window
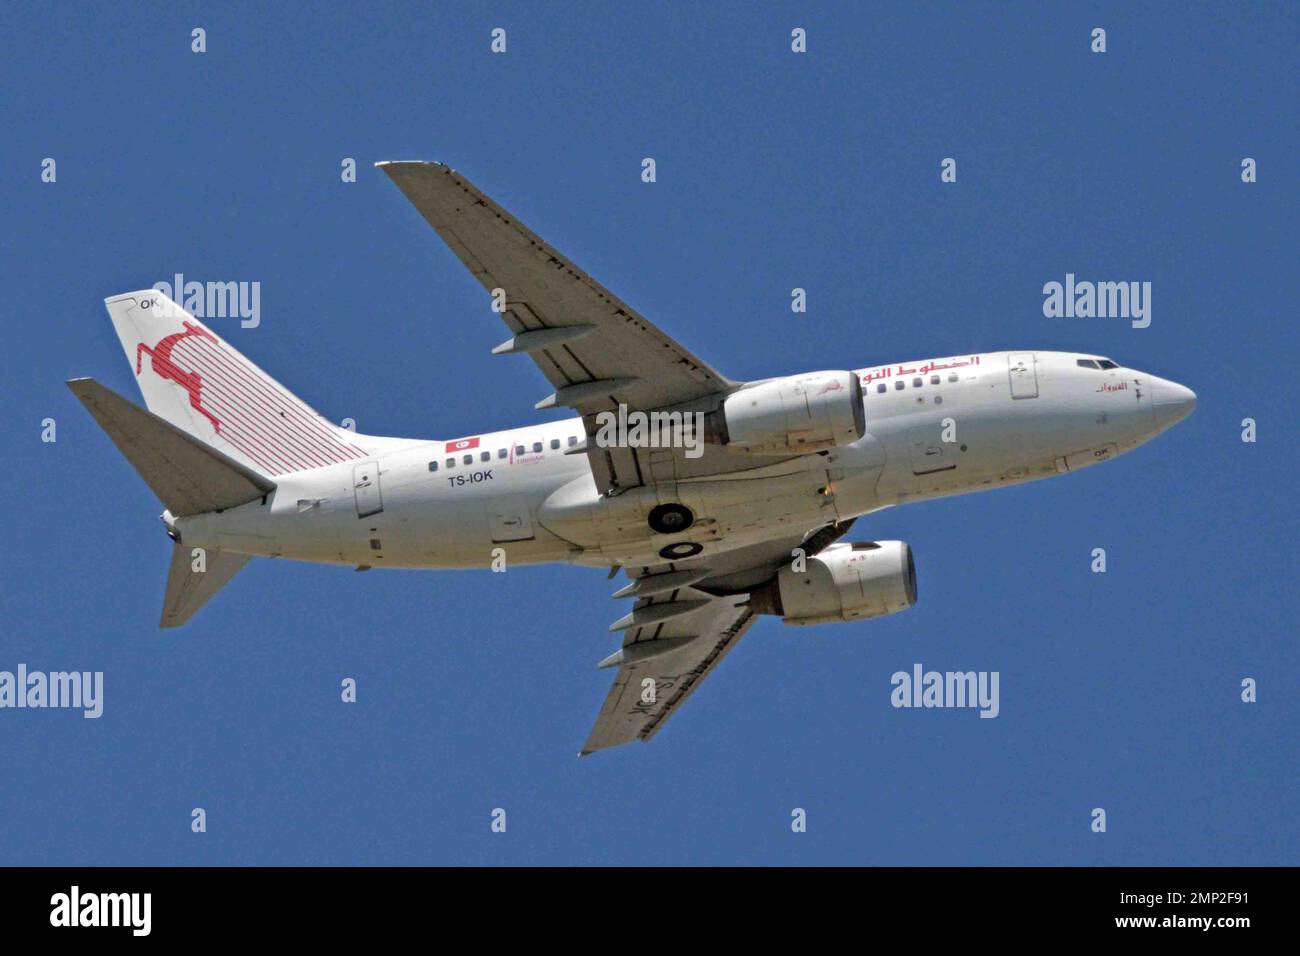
[(451, 462), (899, 385), (917, 382), (469, 459), (485, 456), (519, 449), (433, 466), (952, 376), (573, 440), (935, 380), (503, 452), (537, 446), (881, 387), (555, 443)]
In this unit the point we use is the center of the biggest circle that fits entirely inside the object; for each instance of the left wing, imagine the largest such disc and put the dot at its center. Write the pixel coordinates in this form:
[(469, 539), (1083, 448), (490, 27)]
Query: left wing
[(595, 349), (687, 618), (592, 346)]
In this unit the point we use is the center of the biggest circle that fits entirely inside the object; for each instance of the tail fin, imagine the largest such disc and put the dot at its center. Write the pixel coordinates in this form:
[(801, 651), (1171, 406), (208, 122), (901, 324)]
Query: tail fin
[(189, 589), (196, 381)]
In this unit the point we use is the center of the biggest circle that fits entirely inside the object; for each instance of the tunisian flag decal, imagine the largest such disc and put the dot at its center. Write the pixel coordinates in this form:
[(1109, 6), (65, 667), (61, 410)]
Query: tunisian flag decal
[(465, 444)]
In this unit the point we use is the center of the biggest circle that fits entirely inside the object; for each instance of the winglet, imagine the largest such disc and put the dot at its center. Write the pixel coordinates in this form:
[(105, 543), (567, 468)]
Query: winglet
[(408, 162)]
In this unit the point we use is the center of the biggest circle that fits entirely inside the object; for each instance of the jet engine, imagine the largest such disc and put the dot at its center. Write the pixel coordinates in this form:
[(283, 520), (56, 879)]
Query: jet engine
[(849, 581), (796, 414)]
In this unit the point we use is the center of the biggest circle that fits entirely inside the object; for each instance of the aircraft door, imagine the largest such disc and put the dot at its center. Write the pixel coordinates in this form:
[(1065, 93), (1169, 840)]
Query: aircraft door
[(365, 485), (1023, 370)]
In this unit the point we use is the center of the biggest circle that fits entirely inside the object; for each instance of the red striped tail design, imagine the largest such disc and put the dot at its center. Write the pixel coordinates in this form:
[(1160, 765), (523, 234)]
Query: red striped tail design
[(195, 380)]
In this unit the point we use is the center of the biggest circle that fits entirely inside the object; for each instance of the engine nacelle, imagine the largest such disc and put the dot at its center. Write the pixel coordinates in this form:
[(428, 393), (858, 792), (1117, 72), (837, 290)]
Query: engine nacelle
[(799, 413), (848, 581)]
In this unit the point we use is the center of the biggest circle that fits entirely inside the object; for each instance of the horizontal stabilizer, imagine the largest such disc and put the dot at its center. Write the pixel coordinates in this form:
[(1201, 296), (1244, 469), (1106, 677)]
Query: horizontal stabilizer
[(189, 589), (186, 474)]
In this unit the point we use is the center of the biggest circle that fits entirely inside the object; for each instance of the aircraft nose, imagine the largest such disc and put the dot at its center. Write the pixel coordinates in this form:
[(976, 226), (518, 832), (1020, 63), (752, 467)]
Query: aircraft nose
[(1172, 402)]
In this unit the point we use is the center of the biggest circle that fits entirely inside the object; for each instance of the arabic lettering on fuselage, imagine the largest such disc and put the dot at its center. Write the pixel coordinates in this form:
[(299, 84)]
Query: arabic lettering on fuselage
[(934, 365)]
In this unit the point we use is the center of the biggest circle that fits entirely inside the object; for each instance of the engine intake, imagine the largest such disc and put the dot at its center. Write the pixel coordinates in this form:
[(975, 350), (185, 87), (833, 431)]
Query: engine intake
[(849, 581), (799, 413)]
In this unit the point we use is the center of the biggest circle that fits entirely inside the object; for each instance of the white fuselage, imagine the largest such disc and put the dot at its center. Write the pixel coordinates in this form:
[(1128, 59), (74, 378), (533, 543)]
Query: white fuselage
[(937, 427)]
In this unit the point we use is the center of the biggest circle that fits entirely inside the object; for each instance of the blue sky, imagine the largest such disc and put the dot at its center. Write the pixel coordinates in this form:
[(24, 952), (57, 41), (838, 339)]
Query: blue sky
[(775, 170)]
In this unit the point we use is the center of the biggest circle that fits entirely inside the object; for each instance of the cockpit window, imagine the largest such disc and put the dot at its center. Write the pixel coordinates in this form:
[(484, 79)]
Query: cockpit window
[(1106, 363), (1086, 363)]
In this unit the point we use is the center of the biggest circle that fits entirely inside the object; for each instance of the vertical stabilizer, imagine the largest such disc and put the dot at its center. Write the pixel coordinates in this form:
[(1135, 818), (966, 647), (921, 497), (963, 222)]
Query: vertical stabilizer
[(189, 376)]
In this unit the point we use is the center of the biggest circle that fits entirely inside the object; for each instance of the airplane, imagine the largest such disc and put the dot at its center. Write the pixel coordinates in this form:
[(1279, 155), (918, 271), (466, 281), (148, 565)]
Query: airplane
[(744, 515)]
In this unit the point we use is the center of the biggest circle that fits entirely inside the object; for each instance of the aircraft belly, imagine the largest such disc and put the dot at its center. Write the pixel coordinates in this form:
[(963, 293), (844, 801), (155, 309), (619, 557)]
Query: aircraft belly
[(729, 512)]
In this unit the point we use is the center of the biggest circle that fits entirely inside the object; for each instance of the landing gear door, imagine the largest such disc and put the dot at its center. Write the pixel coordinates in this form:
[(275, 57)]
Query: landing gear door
[(1024, 375), (365, 485)]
